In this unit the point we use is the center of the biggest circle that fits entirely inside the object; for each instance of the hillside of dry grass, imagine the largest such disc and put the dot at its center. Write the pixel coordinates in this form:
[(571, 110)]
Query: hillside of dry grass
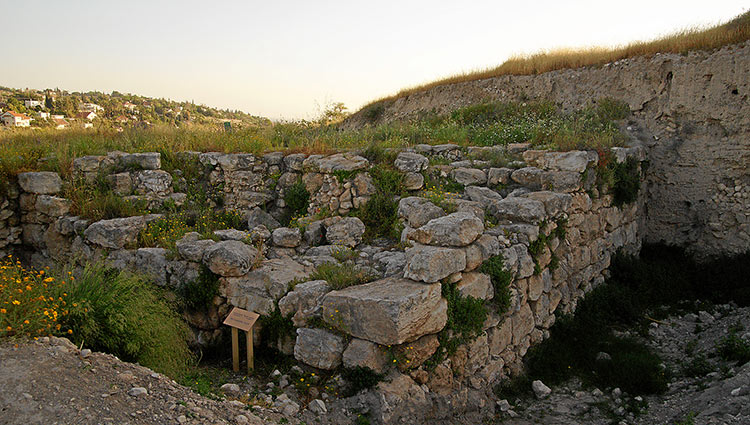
[(734, 31)]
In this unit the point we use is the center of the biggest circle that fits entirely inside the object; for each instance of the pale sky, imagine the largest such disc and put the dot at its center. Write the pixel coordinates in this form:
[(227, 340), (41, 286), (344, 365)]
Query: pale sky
[(280, 59)]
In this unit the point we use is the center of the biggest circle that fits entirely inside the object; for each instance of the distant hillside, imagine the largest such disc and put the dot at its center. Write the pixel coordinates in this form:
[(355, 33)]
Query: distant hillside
[(114, 110)]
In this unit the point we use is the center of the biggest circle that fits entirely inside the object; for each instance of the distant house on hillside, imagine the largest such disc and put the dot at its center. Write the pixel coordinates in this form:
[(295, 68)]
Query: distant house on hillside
[(86, 116), (15, 119), (60, 123), (129, 106), (90, 107), (121, 119), (43, 115), (31, 103)]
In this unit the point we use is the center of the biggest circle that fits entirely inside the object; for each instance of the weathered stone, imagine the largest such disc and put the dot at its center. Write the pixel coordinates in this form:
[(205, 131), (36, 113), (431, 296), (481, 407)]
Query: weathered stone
[(41, 182), (430, 264), (364, 353), (347, 231), (561, 181), (413, 181), (267, 283), (318, 348), (389, 311), (554, 203), (294, 161), (363, 185), (121, 183), (52, 205), (576, 161), (418, 211), (156, 182), (500, 337), (518, 209), (141, 161), (302, 302), (522, 322), (441, 380), (410, 162), (258, 217), (483, 195), (498, 176), (90, 163), (318, 407), (231, 234), (477, 285), (457, 229), (414, 353), (390, 262), (229, 258), (273, 158), (153, 263), (540, 390), (530, 177), (341, 162), (191, 248), (288, 237), (469, 176), (115, 233)]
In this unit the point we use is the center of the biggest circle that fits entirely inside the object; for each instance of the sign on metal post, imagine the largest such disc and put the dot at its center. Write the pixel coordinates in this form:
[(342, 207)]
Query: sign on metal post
[(243, 320)]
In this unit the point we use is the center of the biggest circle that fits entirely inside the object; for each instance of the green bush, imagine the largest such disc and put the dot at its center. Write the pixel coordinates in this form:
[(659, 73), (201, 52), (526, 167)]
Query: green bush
[(340, 276), (96, 201), (297, 198), (120, 313), (501, 279), (733, 348), (627, 182), (200, 293), (379, 214), (360, 378), (275, 326)]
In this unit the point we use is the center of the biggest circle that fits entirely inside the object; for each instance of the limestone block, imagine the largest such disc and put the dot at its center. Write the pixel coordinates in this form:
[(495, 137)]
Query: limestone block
[(430, 264), (318, 348)]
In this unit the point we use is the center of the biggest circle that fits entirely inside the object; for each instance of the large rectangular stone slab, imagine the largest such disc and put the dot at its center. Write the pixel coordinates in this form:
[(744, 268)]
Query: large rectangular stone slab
[(389, 311)]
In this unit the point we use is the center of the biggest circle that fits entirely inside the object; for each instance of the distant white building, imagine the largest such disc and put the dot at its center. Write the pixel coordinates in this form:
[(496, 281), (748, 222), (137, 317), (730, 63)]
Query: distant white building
[(86, 116), (60, 123), (15, 119), (128, 105), (90, 107), (30, 103), (43, 115)]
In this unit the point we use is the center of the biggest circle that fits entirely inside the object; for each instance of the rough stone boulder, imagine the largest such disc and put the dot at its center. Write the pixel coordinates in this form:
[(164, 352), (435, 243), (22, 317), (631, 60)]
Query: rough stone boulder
[(346, 231), (156, 182), (561, 161), (229, 258), (554, 203), (336, 162), (389, 311), (457, 229), (562, 181), (413, 181), (231, 234), (477, 285), (142, 161), (115, 233), (192, 248), (530, 177), (518, 209), (52, 205), (258, 217), (469, 176), (318, 348), (418, 211), (364, 353), (41, 182), (413, 354), (258, 289), (431, 263), (483, 195), (153, 262), (288, 237), (410, 162), (302, 302), (497, 176)]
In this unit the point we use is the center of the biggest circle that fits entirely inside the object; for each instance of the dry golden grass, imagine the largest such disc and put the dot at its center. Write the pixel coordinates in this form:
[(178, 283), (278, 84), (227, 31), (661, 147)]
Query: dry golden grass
[(735, 31)]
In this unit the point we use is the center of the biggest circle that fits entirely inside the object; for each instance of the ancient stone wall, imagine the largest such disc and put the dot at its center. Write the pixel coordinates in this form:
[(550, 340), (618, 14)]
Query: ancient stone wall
[(554, 227), (692, 112)]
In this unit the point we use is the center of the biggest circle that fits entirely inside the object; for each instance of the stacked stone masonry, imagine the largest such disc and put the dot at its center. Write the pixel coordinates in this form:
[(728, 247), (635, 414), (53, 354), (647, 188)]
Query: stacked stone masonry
[(399, 314)]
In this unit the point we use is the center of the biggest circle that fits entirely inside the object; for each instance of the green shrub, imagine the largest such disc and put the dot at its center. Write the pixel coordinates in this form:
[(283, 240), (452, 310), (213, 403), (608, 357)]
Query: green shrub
[(297, 198), (733, 348), (344, 175), (387, 179), (96, 201), (373, 112), (340, 276), (200, 293), (275, 326), (696, 367), (501, 279), (627, 182), (119, 313), (360, 378)]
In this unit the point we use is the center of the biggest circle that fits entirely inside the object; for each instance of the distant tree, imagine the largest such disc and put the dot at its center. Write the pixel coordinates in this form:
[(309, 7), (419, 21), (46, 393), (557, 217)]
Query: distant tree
[(49, 103), (333, 113)]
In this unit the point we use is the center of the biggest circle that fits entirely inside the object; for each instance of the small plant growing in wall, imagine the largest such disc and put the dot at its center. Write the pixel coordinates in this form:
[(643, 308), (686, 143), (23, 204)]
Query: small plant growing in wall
[(297, 200), (199, 293), (501, 279)]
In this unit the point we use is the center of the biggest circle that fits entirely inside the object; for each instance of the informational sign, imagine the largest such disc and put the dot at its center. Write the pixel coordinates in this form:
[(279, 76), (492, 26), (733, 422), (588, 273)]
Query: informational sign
[(244, 320), (241, 319)]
